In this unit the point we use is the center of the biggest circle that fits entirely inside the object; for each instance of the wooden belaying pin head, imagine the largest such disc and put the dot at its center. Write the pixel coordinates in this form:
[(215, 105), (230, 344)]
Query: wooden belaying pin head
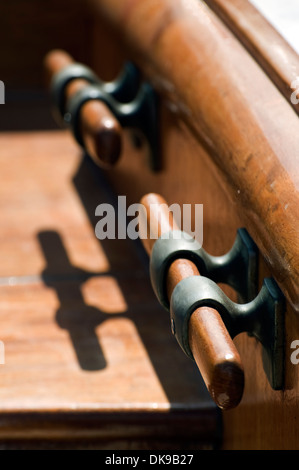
[(100, 130)]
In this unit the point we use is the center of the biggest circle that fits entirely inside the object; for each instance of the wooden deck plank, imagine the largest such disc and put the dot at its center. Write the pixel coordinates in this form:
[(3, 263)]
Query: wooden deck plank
[(83, 334)]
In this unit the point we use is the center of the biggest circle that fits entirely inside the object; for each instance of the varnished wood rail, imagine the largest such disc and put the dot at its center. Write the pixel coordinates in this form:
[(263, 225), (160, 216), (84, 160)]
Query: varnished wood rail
[(100, 130), (212, 347), (263, 41), (249, 130)]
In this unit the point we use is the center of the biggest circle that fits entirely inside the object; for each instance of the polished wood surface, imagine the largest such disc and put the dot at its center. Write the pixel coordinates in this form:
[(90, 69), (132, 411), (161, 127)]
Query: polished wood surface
[(241, 121), (101, 132), (213, 349), (229, 141), (89, 356), (233, 109), (279, 60)]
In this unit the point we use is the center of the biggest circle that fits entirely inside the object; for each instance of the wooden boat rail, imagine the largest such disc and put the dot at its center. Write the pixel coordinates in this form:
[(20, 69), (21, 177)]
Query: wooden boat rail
[(90, 359), (272, 52), (229, 104)]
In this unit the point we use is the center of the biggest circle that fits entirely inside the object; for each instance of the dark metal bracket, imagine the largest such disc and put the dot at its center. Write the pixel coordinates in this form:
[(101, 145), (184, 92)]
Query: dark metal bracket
[(238, 268), (123, 88), (260, 315), (141, 114), (262, 318), (134, 104)]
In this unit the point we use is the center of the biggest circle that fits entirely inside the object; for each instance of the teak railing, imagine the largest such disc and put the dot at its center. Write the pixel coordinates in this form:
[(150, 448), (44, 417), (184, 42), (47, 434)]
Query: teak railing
[(265, 44), (249, 129)]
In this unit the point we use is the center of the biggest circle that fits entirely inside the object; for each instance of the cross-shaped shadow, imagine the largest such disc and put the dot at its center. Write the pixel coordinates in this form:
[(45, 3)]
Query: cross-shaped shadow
[(81, 320), (73, 315)]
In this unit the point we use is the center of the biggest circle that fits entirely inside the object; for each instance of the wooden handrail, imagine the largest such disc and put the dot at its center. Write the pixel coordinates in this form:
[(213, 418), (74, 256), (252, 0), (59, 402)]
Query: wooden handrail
[(263, 41), (233, 109), (212, 347)]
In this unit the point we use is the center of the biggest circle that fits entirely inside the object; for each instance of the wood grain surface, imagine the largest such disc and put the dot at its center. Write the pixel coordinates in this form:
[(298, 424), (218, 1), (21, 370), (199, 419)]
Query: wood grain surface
[(270, 49), (88, 352), (238, 125), (264, 419), (246, 125)]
